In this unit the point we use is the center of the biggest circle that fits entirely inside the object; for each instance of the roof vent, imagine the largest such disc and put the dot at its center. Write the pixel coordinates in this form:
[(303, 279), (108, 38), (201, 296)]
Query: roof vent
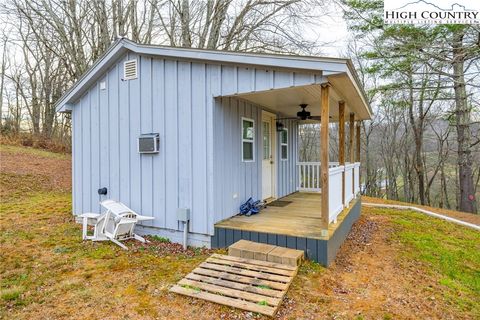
[(130, 70)]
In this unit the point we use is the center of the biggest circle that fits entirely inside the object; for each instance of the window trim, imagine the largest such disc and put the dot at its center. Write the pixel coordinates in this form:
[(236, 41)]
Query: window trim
[(283, 144), (252, 141)]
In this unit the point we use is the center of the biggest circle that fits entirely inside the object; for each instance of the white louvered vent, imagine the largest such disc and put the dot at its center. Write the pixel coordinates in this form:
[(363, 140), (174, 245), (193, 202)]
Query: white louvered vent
[(130, 70)]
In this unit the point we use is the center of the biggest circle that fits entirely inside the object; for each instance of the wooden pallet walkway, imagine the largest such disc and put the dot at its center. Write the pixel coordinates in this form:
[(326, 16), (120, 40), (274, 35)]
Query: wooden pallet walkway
[(252, 285)]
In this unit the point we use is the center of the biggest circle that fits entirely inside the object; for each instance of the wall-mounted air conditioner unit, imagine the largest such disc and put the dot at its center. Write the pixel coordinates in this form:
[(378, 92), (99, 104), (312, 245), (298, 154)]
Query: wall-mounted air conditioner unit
[(149, 143)]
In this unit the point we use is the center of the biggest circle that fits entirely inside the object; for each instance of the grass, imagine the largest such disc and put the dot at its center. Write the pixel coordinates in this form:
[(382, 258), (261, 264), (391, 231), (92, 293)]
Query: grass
[(450, 252), (44, 262), (194, 288), (10, 294), (160, 239), (262, 286), (33, 151)]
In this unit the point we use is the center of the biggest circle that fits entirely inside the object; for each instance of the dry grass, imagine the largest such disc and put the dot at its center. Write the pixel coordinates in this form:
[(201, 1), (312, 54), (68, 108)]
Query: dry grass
[(26, 139), (395, 265)]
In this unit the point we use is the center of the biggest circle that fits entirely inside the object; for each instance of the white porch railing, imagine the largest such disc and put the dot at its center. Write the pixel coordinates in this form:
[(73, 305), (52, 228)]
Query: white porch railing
[(335, 204), (356, 175), (309, 176), (309, 179), (348, 183)]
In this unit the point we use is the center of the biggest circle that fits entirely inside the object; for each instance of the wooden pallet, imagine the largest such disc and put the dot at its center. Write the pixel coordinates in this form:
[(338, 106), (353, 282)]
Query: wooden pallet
[(252, 285)]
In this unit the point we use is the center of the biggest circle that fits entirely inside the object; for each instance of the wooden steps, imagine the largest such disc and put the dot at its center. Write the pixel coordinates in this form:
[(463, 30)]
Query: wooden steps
[(266, 252), (248, 284)]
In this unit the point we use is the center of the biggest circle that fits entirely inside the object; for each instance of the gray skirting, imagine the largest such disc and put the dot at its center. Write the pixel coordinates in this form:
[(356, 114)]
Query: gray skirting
[(321, 251)]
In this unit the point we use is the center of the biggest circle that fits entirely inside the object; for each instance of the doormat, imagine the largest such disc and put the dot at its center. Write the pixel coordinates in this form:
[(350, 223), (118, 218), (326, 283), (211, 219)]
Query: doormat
[(279, 203)]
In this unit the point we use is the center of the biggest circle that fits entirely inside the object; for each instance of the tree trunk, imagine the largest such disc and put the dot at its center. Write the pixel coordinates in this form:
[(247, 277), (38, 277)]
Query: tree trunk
[(418, 127), (463, 121)]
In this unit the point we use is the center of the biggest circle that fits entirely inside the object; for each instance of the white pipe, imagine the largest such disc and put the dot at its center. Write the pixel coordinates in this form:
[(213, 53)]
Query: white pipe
[(185, 234), (436, 215)]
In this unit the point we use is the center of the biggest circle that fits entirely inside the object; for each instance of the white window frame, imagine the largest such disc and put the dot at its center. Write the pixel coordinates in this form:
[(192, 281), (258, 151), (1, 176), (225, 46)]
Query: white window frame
[(283, 144), (248, 140)]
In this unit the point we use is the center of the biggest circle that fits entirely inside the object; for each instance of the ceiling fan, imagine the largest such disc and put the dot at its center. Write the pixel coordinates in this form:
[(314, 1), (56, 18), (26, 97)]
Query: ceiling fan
[(302, 114)]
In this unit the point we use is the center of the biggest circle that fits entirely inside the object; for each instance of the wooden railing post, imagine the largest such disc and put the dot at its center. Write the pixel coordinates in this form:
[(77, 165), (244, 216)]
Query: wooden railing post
[(324, 151), (341, 143)]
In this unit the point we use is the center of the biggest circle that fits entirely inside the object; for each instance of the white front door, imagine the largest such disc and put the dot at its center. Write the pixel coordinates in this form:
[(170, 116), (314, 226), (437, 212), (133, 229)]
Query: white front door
[(268, 155)]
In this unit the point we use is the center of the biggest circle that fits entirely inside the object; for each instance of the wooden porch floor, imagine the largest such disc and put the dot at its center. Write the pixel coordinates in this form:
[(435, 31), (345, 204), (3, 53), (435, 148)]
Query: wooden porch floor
[(301, 218)]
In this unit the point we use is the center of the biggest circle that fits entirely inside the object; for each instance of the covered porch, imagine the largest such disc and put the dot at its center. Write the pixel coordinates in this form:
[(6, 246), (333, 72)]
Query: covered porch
[(326, 198)]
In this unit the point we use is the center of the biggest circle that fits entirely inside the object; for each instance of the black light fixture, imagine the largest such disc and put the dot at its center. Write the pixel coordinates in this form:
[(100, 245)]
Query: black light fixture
[(280, 126)]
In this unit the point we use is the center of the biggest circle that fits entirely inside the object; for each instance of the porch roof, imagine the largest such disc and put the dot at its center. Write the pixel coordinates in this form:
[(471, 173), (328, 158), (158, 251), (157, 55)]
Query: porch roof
[(287, 100)]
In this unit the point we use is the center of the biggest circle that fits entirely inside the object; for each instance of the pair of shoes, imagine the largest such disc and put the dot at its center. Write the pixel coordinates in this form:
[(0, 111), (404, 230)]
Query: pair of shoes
[(251, 207)]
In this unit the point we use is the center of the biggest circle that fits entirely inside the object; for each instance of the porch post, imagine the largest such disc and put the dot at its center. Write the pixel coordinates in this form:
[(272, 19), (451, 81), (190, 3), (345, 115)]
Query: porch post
[(341, 143), (325, 118), (357, 157), (351, 146)]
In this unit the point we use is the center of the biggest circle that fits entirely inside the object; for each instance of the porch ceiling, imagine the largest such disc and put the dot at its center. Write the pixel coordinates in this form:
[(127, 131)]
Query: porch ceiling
[(286, 100)]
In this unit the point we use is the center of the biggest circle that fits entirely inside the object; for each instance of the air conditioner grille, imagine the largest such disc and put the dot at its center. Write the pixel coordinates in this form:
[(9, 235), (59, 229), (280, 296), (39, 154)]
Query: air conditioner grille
[(130, 70)]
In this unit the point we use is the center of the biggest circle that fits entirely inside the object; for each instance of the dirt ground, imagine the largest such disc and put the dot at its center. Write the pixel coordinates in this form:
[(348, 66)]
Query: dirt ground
[(375, 275), (52, 171)]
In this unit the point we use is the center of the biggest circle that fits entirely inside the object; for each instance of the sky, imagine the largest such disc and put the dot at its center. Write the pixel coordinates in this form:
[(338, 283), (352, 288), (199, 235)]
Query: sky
[(330, 28)]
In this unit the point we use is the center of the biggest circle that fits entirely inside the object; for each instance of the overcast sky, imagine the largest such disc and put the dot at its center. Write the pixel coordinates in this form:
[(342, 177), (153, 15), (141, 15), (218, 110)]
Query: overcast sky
[(330, 28)]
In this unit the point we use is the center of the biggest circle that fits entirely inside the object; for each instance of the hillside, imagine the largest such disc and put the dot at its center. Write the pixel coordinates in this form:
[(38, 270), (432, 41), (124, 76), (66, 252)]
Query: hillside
[(394, 265)]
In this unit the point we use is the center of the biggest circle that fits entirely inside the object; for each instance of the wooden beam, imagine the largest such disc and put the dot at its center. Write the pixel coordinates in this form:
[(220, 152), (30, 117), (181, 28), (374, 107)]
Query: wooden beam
[(325, 118), (341, 142), (357, 157), (350, 138), (351, 146), (359, 123)]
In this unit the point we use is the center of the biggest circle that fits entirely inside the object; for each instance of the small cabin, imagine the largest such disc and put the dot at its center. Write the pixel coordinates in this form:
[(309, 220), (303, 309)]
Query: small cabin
[(167, 130)]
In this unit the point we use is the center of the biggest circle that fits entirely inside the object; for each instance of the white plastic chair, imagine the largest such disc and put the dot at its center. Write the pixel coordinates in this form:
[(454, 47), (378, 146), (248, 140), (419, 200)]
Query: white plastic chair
[(116, 224)]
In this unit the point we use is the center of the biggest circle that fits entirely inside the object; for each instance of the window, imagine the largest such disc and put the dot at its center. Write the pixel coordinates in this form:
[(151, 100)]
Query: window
[(284, 144), (248, 140), (266, 140)]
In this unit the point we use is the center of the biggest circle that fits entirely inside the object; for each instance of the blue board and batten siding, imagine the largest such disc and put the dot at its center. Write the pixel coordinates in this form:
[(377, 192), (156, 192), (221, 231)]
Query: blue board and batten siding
[(235, 180), (199, 164)]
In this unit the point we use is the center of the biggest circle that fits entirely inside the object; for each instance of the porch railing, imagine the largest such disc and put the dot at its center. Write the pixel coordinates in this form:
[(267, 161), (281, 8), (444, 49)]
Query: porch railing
[(348, 183), (309, 180), (309, 175), (335, 204), (356, 175)]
